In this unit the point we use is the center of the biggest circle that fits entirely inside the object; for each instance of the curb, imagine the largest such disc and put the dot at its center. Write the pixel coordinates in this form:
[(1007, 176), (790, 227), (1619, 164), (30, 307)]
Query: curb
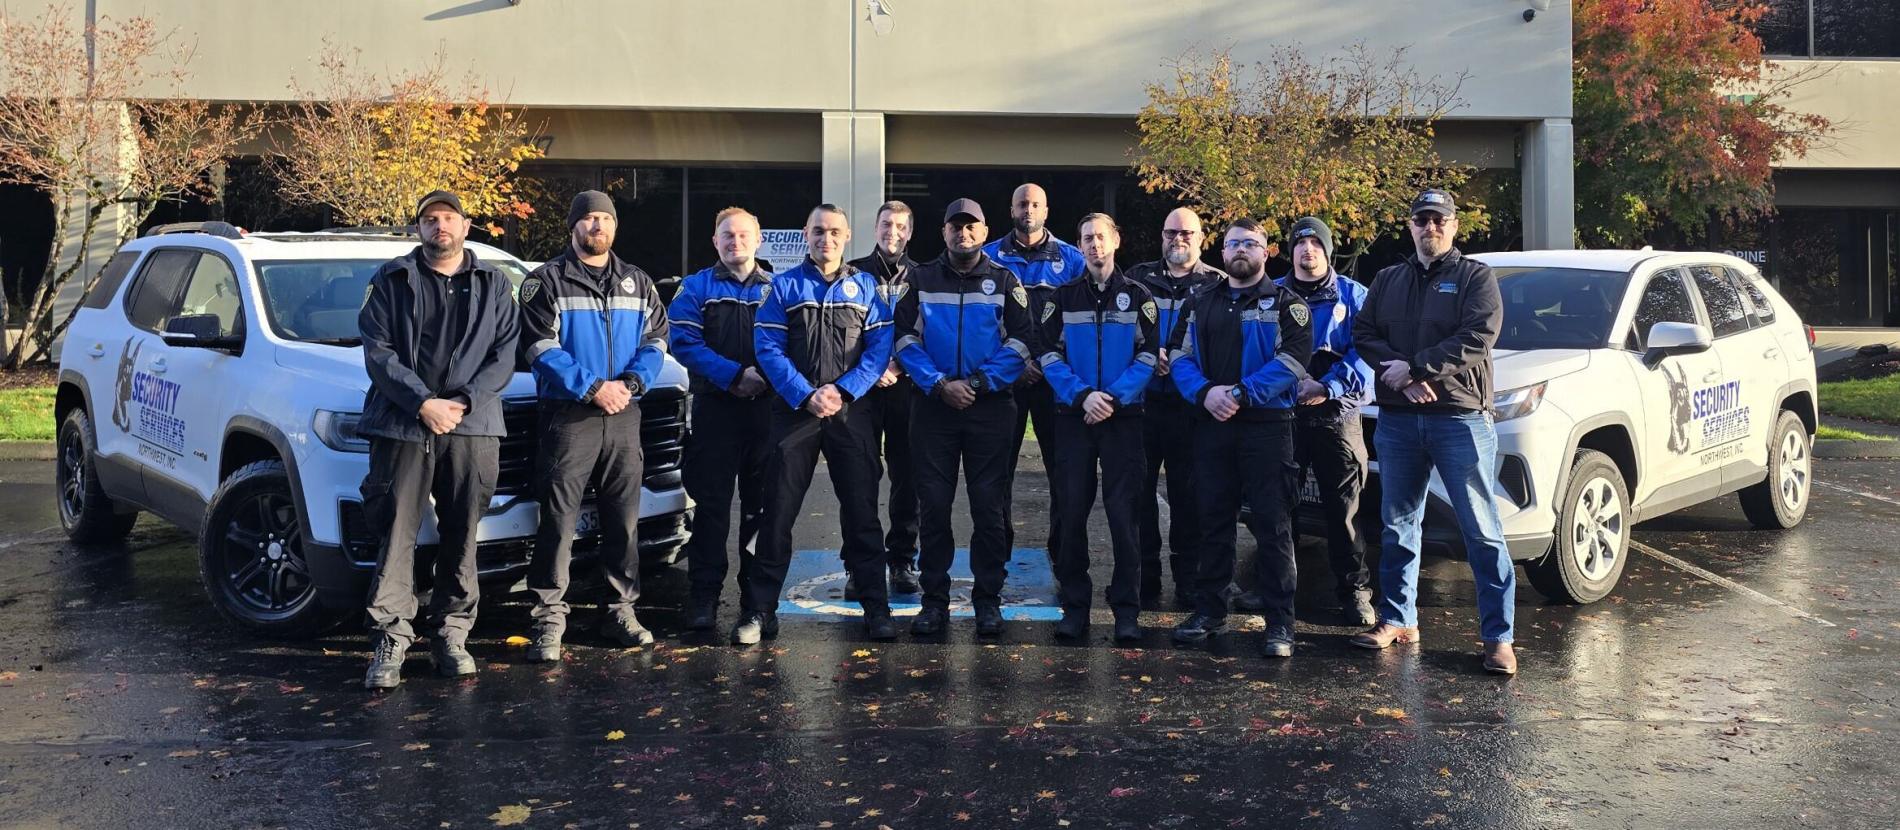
[(1835, 448), (26, 450)]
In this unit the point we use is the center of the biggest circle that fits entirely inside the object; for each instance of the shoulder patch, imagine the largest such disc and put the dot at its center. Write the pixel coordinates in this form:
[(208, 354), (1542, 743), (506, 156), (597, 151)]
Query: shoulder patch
[(1148, 310), (1021, 296), (765, 291), (529, 288), (1301, 314), (1048, 311)]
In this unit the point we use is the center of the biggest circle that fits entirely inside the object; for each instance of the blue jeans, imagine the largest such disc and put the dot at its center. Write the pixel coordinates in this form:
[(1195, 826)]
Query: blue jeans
[(1464, 451)]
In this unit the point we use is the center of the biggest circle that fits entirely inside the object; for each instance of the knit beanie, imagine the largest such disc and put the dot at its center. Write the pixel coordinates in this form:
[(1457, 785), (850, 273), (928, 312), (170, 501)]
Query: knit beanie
[(1311, 226), (590, 201)]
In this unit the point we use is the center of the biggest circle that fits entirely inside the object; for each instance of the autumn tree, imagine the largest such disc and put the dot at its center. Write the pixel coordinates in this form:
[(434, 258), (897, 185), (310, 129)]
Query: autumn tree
[(1678, 118), (1348, 138), (368, 147), (86, 130)]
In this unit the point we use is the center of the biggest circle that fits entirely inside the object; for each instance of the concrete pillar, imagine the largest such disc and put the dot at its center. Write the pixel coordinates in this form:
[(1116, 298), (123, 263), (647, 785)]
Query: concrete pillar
[(853, 171), (114, 221), (1550, 185)]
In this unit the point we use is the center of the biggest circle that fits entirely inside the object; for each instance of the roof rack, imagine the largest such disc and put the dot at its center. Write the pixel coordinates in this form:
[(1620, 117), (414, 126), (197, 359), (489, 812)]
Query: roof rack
[(223, 229), (399, 230)]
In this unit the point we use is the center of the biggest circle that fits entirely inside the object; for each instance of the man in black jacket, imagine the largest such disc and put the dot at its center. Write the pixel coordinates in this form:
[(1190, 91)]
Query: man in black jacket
[(890, 401), (1427, 328), (439, 331)]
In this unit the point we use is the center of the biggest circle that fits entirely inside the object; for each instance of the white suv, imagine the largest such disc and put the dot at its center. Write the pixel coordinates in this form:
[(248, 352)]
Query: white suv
[(214, 378), (1631, 384)]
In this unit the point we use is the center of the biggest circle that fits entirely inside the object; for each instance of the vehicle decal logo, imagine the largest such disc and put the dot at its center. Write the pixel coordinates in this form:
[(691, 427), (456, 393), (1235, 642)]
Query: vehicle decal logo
[(128, 357)]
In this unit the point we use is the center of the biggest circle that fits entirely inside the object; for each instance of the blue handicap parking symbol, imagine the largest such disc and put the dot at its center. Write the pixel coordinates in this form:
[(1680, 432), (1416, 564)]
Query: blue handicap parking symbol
[(814, 587)]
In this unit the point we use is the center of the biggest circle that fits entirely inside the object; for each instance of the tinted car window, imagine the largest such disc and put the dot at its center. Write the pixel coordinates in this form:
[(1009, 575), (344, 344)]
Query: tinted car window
[(1727, 313), (315, 300), (110, 278), (1558, 308), (213, 292), (155, 296), (1759, 306), (1665, 300)]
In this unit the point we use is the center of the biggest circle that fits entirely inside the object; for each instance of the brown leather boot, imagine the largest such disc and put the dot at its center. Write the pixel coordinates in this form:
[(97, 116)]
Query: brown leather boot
[(1384, 635), (1499, 658)]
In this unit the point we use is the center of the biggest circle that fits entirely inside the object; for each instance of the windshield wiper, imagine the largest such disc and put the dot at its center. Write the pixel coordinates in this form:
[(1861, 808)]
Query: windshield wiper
[(336, 341)]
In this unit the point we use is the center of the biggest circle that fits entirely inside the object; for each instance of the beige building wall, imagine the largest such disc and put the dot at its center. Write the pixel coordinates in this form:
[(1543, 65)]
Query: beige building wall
[(1862, 98)]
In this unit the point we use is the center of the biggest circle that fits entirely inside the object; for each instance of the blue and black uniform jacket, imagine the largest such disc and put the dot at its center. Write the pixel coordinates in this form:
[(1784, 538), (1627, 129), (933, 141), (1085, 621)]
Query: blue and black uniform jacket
[(812, 331), (1040, 267), (1099, 340), (1171, 294), (1336, 364), (953, 326), (1258, 339), (579, 331), (712, 316)]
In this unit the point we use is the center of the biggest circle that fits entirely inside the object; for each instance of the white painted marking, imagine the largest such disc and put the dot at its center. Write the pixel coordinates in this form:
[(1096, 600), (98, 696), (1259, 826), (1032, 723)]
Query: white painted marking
[(30, 537), (1863, 494), (1730, 584)]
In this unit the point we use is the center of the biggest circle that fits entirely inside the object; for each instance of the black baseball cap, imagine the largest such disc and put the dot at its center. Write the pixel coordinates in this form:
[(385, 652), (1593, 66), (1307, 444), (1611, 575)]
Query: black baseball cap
[(439, 197), (964, 207), (1434, 201)]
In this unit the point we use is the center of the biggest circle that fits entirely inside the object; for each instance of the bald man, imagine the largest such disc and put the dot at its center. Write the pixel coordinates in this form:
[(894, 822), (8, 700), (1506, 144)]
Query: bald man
[(1166, 428), (1041, 262)]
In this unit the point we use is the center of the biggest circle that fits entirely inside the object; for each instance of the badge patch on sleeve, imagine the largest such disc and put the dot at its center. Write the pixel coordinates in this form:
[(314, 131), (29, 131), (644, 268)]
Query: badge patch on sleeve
[(1048, 311), (765, 292), (1301, 314), (1021, 295), (1148, 310), (530, 288)]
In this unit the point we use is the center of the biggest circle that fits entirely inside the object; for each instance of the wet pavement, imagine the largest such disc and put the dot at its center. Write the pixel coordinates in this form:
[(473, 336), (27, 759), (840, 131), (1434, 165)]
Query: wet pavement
[(1736, 678)]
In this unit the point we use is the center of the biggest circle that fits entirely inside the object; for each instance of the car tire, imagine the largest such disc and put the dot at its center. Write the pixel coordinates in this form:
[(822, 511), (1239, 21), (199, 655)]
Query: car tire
[(86, 513), (1593, 534), (1780, 501), (251, 556)]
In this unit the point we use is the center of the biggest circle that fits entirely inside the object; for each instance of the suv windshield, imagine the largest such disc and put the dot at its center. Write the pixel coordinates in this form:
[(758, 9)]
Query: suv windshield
[(1558, 308), (316, 300)]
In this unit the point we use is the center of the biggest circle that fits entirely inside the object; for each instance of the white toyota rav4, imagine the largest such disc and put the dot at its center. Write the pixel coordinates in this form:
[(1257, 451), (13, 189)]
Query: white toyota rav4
[(1631, 384), (214, 378)]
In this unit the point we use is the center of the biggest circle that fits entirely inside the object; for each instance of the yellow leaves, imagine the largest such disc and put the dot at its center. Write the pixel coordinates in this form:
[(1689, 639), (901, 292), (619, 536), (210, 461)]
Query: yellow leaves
[(517, 640), (1045, 795), (616, 735), (863, 652), (415, 747), (1389, 712), (510, 814)]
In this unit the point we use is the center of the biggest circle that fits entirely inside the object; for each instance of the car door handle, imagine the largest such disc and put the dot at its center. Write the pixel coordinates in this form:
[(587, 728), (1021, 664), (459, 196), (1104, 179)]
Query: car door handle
[(158, 366), (1708, 378), (1771, 354), (97, 350)]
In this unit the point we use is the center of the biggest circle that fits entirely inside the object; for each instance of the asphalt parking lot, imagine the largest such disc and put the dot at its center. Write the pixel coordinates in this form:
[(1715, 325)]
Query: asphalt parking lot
[(1736, 678)]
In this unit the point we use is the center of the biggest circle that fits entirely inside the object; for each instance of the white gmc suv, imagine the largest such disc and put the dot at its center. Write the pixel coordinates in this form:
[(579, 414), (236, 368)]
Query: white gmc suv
[(214, 378), (1631, 384)]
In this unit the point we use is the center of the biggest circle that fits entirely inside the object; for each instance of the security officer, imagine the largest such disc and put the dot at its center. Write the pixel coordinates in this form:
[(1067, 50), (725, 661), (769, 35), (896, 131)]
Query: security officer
[(1098, 353), (1166, 418), (1327, 437), (1247, 345), (594, 334), (890, 401), (711, 318), (439, 331), (1427, 327), (823, 339), (963, 333), (1041, 262)]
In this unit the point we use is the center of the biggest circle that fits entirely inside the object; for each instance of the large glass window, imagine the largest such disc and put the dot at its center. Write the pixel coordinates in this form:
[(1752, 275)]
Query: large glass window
[(1831, 28)]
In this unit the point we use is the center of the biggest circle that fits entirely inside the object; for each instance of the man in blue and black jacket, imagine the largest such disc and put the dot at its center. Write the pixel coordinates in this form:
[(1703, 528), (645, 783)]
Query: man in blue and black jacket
[(963, 334), (711, 318), (1166, 418), (1098, 353), (594, 334), (1327, 437), (890, 400), (1241, 361), (823, 339), (1040, 262)]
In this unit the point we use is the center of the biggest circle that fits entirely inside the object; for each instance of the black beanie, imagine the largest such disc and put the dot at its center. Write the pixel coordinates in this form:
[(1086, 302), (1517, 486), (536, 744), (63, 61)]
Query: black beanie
[(590, 201), (1311, 226)]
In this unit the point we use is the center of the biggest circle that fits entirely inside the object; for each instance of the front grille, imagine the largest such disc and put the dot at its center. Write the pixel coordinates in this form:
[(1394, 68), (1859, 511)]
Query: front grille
[(662, 440)]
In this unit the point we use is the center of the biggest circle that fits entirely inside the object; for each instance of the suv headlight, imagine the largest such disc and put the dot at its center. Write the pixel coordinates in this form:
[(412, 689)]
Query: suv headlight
[(337, 430), (1519, 402)]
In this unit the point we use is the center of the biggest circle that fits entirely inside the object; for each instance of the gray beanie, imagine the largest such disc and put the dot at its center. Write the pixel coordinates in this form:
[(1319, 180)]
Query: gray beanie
[(590, 201), (1314, 227)]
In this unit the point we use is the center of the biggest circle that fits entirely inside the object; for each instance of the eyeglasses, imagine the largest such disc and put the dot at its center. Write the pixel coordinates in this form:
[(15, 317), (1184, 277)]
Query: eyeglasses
[(1167, 233), (1423, 219), (1243, 244)]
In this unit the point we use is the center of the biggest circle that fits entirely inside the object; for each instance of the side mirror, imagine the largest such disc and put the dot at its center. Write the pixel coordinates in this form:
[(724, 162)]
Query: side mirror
[(1667, 339), (199, 330)]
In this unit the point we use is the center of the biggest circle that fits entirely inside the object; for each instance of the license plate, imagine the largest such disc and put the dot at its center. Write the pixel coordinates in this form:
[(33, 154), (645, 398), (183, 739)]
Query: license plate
[(588, 523), (1309, 490)]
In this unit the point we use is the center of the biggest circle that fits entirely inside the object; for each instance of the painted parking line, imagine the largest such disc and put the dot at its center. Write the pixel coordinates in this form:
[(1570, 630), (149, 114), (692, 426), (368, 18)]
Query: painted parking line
[(814, 587), (1862, 493), (1730, 584), (27, 537)]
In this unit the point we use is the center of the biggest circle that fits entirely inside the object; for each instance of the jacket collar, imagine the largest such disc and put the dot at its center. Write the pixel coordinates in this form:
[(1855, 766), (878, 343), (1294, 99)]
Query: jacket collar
[(1450, 258), (759, 274), (1050, 248)]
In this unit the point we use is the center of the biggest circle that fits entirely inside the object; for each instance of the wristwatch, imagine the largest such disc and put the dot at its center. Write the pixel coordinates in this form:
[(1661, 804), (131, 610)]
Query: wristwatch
[(977, 384), (1238, 394)]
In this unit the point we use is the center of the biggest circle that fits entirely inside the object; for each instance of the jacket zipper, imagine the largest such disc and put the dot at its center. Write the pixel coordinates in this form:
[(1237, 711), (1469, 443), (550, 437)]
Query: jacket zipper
[(959, 351), (1098, 342)]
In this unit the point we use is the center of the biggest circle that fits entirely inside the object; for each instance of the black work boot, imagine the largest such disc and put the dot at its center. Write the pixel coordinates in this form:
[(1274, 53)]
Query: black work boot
[(546, 647), (1127, 627), (879, 626), (626, 630), (704, 615), (1074, 624), (1198, 627), (930, 621), (385, 661), (904, 578), (989, 621), (451, 657)]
